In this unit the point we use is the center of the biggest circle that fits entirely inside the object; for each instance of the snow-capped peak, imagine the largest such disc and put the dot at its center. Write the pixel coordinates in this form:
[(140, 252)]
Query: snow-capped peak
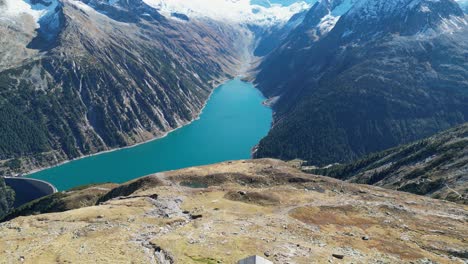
[(335, 10), (237, 11), (419, 15)]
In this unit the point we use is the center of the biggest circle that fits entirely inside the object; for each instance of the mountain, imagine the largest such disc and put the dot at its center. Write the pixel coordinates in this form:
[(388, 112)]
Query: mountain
[(269, 38), (361, 76), (79, 77), (435, 167), (238, 209)]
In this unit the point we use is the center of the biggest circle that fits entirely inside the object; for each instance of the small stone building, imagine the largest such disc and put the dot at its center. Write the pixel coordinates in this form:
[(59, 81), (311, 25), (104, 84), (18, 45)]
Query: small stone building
[(254, 260)]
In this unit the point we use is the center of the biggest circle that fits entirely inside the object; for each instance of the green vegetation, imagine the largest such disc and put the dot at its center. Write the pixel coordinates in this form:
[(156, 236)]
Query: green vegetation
[(50, 203), (339, 102), (61, 201), (425, 167), (7, 198), (129, 188), (343, 126), (19, 134), (14, 164)]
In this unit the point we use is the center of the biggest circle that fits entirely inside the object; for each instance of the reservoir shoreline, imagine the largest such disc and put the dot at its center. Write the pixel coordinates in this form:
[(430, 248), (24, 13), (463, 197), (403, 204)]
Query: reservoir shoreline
[(229, 126), (215, 84)]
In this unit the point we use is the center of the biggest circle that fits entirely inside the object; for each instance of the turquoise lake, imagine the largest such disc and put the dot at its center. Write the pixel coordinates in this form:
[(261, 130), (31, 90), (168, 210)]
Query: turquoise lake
[(232, 123)]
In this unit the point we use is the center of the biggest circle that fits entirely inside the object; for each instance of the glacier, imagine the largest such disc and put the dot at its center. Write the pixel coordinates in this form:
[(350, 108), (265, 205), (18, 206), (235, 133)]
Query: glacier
[(263, 13)]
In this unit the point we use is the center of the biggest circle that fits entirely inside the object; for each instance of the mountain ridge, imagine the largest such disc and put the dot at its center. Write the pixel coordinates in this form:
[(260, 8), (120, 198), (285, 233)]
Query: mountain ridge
[(435, 166), (342, 93)]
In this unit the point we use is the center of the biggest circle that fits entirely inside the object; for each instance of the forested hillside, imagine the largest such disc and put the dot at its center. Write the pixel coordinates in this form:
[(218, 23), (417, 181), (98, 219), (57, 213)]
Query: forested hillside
[(436, 166), (355, 79), (7, 198)]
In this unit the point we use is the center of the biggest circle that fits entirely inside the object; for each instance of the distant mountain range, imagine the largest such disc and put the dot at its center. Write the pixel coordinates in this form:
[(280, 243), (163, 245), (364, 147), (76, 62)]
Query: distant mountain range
[(360, 76), (260, 13)]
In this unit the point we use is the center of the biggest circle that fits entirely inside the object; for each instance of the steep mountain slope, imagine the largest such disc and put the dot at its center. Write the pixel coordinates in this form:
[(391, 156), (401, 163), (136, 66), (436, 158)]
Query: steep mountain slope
[(271, 37), (360, 76), (237, 209), (78, 77), (7, 198), (436, 166)]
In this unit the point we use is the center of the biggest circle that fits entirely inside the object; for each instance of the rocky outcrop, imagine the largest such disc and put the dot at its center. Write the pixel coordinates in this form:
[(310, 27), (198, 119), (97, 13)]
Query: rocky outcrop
[(306, 219)]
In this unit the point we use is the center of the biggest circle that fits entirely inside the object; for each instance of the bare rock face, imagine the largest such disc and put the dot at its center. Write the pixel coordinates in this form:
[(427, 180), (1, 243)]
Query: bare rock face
[(314, 219), (93, 75)]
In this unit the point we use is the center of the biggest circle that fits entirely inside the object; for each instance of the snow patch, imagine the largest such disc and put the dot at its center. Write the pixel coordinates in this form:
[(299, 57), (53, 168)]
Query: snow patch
[(366, 9), (425, 9), (453, 24), (16, 8), (327, 23), (237, 11)]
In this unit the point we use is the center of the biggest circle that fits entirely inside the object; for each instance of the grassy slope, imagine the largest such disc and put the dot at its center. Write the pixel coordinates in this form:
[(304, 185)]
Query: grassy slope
[(247, 208)]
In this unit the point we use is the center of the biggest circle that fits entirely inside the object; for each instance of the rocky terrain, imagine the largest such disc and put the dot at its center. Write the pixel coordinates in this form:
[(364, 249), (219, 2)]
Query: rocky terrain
[(436, 166), (237, 209), (361, 76), (79, 77)]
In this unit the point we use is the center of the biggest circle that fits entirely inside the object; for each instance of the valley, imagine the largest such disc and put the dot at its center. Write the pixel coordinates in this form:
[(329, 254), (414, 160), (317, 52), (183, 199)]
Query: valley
[(114, 75), (231, 124), (208, 131)]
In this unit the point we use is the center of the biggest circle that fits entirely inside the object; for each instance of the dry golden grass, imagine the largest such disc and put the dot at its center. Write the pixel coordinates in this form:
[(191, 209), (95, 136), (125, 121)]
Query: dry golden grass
[(290, 222)]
